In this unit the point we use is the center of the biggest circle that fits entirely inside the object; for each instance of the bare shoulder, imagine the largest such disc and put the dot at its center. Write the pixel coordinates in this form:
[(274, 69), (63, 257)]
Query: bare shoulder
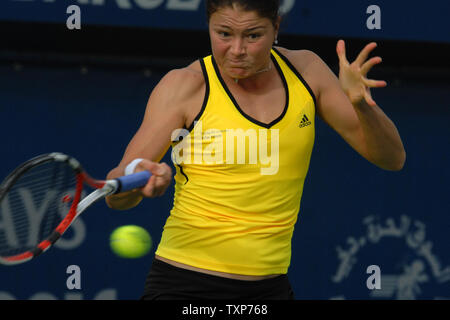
[(308, 64), (184, 82), (182, 90), (302, 58)]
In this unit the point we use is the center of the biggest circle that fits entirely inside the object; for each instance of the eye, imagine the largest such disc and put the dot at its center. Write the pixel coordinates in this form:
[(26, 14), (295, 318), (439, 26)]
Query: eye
[(254, 36), (223, 34)]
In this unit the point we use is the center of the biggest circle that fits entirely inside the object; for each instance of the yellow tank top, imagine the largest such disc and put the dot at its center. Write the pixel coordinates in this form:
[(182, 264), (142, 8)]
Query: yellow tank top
[(238, 181)]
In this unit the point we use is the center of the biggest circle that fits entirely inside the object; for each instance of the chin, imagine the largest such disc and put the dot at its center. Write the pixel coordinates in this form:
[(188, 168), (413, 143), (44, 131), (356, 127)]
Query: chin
[(241, 74)]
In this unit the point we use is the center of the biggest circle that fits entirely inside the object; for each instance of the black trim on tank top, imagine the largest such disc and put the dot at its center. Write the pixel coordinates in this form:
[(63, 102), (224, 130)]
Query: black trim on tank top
[(299, 76), (182, 172), (251, 119), (205, 100), (180, 138)]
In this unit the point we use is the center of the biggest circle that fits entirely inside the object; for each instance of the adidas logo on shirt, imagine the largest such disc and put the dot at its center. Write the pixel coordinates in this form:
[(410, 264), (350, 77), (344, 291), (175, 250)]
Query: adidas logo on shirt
[(305, 122)]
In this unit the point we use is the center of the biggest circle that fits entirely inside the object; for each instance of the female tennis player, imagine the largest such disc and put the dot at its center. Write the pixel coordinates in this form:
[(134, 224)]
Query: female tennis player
[(229, 232)]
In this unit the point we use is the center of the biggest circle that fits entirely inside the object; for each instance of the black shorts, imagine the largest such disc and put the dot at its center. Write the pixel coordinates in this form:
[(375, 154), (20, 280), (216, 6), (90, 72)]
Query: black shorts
[(167, 282)]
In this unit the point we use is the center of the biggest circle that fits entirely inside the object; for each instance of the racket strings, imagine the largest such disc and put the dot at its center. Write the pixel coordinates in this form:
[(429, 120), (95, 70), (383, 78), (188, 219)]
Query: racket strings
[(16, 198), (34, 206)]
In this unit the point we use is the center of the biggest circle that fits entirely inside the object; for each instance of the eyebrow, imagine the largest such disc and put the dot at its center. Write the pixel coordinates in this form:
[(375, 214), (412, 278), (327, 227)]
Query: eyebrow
[(247, 30), (256, 28)]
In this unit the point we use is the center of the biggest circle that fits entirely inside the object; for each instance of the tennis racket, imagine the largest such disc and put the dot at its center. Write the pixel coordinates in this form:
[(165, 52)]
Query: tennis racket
[(41, 198)]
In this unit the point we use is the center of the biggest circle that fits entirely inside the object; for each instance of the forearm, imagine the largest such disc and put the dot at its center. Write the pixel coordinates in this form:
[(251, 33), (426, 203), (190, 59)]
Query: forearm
[(122, 201), (383, 142)]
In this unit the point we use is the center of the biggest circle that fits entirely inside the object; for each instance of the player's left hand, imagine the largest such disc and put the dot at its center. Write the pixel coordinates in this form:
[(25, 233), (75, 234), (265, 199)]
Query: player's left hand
[(353, 76)]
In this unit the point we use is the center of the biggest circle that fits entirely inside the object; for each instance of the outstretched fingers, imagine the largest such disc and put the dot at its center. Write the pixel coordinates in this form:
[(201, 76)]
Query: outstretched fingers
[(364, 54), (367, 66), (341, 52), (375, 83), (369, 99)]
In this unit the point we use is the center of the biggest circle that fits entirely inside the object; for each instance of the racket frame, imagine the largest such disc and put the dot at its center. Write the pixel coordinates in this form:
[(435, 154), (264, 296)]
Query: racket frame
[(103, 188)]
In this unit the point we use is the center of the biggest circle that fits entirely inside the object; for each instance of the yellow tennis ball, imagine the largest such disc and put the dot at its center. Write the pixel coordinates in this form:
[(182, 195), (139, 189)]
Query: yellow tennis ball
[(130, 241)]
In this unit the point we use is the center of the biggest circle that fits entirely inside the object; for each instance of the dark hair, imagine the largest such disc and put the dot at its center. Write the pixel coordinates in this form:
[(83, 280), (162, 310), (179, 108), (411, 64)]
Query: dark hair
[(265, 8)]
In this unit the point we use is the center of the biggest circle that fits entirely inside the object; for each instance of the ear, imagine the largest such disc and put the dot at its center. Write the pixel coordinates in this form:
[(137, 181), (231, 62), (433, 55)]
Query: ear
[(277, 29), (277, 24)]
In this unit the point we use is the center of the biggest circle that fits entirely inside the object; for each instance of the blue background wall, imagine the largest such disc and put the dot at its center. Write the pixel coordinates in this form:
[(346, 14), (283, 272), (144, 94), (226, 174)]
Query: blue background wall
[(412, 20), (44, 110)]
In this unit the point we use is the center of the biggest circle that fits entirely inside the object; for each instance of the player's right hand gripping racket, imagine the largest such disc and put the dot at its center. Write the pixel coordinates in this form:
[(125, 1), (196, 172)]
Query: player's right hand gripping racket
[(41, 198)]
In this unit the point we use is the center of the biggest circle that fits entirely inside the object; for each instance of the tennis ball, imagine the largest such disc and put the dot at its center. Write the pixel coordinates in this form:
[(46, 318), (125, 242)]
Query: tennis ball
[(130, 241)]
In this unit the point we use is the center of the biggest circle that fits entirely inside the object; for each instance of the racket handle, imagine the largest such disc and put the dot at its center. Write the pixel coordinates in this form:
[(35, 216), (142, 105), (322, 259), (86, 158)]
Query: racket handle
[(133, 181)]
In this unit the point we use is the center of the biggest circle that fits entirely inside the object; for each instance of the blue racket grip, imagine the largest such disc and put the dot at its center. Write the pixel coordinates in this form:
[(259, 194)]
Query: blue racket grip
[(133, 181)]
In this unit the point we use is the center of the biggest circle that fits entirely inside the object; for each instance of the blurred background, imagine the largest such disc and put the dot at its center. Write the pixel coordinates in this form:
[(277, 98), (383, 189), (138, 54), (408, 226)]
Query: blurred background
[(84, 91)]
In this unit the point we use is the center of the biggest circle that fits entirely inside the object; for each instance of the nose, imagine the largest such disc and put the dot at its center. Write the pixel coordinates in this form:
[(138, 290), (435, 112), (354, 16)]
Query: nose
[(238, 47)]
